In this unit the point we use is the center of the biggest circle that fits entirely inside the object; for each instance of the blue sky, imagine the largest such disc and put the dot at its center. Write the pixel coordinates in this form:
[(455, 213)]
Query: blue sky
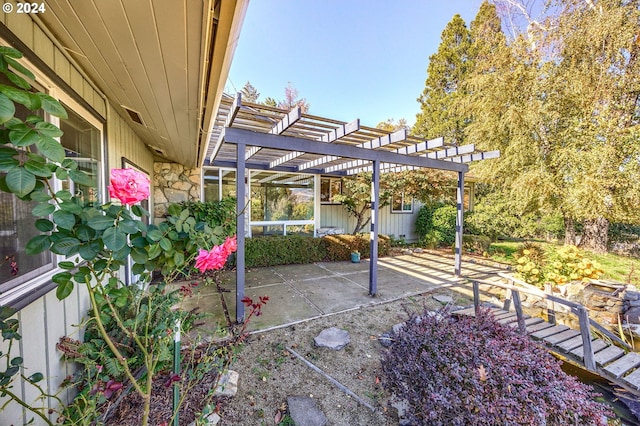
[(350, 59)]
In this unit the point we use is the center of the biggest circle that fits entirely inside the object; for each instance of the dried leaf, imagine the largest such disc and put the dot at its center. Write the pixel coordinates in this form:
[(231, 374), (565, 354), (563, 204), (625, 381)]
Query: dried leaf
[(483, 373), (278, 417)]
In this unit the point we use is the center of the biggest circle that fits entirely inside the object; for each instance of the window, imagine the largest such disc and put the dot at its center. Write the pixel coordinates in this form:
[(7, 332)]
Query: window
[(401, 204), (219, 184), (82, 141), (330, 187)]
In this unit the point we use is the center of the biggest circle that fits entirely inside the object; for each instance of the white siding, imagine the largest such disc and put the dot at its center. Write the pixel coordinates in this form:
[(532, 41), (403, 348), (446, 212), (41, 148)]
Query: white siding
[(396, 224)]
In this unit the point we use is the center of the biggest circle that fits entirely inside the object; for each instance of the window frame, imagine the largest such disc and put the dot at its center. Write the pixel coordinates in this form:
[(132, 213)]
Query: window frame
[(402, 204), (330, 199)]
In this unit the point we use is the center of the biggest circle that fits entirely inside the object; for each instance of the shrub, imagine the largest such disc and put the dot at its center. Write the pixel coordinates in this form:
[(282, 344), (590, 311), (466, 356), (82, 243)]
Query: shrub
[(283, 250), (475, 243), (339, 247), (557, 266), (436, 224), (214, 213), (474, 371)]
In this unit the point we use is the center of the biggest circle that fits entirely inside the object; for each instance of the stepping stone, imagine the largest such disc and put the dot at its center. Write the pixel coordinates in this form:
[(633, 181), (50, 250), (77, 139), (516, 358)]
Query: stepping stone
[(304, 411), (228, 384), (445, 300), (332, 338)]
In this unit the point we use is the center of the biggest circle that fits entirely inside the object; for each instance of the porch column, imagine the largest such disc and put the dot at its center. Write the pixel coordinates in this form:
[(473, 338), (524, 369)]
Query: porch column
[(240, 231), (459, 223), (373, 236)]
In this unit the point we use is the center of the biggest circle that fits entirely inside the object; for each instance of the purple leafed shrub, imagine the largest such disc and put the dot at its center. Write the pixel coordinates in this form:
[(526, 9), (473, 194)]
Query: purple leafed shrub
[(475, 371)]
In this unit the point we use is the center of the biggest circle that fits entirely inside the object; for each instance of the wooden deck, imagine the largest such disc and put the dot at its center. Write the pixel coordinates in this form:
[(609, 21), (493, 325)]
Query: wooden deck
[(620, 366)]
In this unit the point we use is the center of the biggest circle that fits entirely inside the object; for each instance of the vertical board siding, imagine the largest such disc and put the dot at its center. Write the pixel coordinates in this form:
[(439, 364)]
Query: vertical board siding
[(47, 319), (396, 224)]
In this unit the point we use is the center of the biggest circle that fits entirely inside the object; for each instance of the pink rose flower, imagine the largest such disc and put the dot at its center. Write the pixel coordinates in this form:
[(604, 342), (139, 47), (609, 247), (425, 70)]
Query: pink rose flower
[(230, 244), (129, 186), (215, 258)]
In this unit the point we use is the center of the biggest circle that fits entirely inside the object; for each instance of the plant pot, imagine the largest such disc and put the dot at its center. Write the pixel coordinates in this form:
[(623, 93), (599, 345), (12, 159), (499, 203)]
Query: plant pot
[(355, 257)]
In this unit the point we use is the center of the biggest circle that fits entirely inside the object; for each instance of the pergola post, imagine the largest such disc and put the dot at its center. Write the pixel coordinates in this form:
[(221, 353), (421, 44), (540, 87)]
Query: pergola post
[(373, 236), (240, 231), (459, 223)]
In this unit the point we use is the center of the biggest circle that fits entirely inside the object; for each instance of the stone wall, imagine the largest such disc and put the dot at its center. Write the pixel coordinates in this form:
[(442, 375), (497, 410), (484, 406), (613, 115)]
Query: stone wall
[(173, 183)]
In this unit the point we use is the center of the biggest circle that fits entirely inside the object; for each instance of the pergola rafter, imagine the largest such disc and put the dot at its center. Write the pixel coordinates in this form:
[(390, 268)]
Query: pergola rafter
[(260, 137)]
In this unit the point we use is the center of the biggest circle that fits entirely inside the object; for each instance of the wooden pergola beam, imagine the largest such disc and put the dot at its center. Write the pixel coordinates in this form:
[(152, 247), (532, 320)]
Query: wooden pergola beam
[(265, 140), (335, 134), (287, 121), (233, 112), (395, 137)]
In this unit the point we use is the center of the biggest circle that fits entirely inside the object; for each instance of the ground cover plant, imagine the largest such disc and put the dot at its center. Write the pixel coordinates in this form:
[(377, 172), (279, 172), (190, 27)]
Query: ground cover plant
[(475, 371)]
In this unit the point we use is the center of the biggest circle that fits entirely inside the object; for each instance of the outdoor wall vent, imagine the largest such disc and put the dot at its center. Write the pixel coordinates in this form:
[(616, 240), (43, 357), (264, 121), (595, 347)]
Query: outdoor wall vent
[(157, 150), (134, 116)]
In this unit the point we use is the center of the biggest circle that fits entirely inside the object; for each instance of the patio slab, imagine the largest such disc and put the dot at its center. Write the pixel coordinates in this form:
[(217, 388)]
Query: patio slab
[(301, 272), (255, 277), (285, 306), (333, 294)]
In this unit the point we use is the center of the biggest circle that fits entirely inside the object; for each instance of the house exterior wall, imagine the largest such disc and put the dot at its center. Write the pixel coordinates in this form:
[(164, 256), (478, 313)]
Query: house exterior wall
[(392, 224), (46, 319)]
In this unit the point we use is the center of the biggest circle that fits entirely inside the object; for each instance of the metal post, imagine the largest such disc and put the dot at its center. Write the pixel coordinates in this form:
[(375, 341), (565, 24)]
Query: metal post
[(176, 370), (373, 235), (240, 231), (459, 223)]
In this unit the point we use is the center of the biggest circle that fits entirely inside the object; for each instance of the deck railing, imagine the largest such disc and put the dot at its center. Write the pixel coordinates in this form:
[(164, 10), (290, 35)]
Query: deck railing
[(582, 312)]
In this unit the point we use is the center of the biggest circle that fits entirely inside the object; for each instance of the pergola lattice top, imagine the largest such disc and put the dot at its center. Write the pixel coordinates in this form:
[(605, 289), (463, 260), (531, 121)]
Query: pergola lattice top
[(312, 144)]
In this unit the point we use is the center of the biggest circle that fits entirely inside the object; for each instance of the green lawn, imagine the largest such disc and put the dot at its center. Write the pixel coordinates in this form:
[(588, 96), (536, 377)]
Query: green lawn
[(616, 268)]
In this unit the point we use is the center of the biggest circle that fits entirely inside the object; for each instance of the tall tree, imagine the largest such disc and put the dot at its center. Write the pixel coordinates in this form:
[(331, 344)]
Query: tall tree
[(249, 93), (447, 69), (292, 100), (561, 102)]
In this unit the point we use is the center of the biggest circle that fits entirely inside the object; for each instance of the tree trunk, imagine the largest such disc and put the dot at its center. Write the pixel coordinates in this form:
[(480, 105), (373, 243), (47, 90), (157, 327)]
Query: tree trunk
[(569, 230), (595, 235)]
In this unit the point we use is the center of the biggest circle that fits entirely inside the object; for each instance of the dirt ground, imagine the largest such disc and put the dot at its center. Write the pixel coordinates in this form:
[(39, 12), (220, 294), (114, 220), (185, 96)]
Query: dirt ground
[(269, 372)]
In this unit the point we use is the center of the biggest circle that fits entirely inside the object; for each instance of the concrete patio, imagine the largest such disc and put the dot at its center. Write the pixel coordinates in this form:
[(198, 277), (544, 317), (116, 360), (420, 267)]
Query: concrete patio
[(302, 292)]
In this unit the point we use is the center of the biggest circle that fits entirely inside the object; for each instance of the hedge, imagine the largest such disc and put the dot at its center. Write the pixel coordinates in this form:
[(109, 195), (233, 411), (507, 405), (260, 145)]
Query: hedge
[(296, 249)]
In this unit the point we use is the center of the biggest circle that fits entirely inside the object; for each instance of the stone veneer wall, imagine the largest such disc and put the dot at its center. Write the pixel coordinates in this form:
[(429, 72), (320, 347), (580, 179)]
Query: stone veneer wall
[(173, 183)]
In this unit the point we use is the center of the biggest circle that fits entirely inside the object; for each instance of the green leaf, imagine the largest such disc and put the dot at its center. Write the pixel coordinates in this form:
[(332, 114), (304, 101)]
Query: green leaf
[(50, 148), (138, 255), (18, 81), (23, 136), (114, 239), (66, 265), (8, 164), (154, 235), (17, 361), (48, 129), (61, 173), (122, 254), (38, 244), (71, 206), (64, 195), (35, 378), (64, 219), (19, 67), (52, 106), (154, 251), (66, 246), (20, 181), (178, 258), (165, 244), (64, 290), (17, 95), (100, 223), (90, 250), (81, 178), (7, 109), (84, 233), (44, 225), (43, 209), (128, 226), (138, 268), (69, 163), (38, 169), (7, 152), (10, 52), (41, 196)]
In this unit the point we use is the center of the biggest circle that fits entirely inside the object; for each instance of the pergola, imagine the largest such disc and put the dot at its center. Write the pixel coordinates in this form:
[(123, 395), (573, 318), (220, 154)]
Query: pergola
[(259, 137)]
